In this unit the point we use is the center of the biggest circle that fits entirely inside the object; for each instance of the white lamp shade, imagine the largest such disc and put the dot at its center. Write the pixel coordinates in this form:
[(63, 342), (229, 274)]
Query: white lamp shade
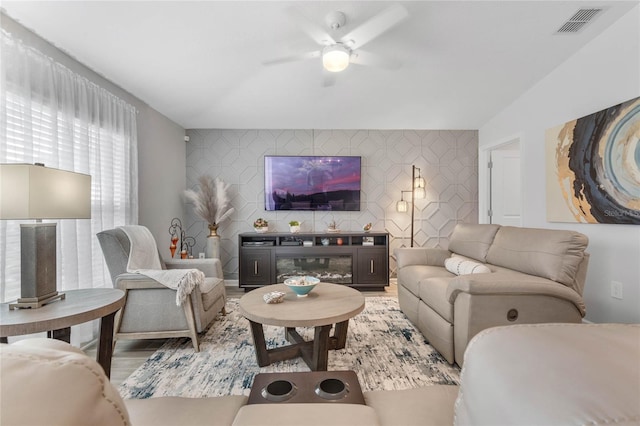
[(29, 191), (419, 193), (402, 206), (335, 58), (418, 182)]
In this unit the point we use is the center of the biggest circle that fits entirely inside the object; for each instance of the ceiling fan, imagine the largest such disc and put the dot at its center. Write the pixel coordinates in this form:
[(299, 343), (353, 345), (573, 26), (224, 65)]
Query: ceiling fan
[(338, 54)]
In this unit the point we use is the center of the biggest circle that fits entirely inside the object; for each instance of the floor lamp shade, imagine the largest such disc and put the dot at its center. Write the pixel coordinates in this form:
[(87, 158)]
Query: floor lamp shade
[(36, 192)]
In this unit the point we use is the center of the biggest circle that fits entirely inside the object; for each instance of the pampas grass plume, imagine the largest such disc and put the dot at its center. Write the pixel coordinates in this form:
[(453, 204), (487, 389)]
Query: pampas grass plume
[(210, 202)]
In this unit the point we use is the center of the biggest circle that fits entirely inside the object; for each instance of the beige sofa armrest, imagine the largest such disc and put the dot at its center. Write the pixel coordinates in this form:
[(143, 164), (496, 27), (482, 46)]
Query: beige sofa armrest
[(511, 284), (420, 256), (210, 267), (47, 382), (551, 374)]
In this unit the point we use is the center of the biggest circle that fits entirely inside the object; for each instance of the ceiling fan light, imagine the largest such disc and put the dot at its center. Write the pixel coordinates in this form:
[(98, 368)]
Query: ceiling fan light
[(335, 58)]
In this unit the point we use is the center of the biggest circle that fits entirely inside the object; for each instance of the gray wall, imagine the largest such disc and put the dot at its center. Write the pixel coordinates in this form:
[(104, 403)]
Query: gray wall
[(448, 161), (161, 165), (161, 147)]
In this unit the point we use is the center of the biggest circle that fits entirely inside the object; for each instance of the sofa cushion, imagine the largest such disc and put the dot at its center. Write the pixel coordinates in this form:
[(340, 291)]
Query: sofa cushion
[(428, 405), (410, 276), (548, 253), (433, 292), (172, 411), (472, 240), (461, 266), (316, 414)]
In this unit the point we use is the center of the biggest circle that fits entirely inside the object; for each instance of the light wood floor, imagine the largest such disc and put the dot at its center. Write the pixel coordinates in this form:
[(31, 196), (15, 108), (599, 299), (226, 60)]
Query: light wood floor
[(130, 354)]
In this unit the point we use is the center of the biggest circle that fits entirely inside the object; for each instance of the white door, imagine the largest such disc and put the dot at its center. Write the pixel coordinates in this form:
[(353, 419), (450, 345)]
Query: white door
[(505, 205)]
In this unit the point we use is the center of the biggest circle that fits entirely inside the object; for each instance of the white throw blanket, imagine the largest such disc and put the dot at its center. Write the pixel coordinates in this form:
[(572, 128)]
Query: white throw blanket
[(144, 260)]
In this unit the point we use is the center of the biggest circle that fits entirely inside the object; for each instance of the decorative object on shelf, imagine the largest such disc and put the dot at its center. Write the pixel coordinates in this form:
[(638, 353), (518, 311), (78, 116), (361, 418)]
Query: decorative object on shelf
[(274, 297), (417, 191), (339, 241), (174, 244), (37, 192), (325, 241), (367, 227), (294, 226), (212, 204), (332, 227), (261, 225), (180, 240), (301, 286)]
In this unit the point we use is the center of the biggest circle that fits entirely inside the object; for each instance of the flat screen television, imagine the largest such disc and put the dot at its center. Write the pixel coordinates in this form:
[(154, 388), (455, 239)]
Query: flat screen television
[(312, 183)]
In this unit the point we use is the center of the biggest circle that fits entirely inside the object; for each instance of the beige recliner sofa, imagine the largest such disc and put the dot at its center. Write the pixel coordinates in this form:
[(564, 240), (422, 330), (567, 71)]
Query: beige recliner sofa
[(531, 276), (575, 381)]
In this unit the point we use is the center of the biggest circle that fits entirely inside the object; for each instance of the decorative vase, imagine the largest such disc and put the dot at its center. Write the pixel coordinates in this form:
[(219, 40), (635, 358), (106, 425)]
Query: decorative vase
[(294, 229), (212, 248), (261, 230), (174, 245)]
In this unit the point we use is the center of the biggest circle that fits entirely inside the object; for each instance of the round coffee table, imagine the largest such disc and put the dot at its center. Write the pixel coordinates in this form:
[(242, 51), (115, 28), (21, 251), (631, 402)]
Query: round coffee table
[(326, 305)]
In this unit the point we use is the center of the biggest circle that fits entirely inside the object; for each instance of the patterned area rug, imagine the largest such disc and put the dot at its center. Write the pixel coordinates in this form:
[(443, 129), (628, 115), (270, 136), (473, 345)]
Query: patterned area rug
[(383, 348)]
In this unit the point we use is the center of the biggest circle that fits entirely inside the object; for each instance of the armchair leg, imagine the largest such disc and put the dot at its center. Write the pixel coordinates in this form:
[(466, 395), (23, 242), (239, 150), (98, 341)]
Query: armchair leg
[(191, 322)]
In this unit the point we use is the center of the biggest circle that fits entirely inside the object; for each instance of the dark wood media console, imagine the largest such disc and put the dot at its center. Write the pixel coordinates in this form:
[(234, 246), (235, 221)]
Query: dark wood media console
[(357, 259)]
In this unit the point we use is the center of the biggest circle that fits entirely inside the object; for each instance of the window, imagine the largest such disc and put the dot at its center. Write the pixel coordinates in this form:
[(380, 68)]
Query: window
[(53, 116)]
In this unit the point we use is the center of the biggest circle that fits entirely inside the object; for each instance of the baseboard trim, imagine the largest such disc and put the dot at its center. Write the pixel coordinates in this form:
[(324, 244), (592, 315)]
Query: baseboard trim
[(232, 283)]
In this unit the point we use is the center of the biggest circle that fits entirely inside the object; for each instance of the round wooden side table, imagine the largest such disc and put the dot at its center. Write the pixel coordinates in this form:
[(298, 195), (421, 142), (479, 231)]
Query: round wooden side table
[(57, 318)]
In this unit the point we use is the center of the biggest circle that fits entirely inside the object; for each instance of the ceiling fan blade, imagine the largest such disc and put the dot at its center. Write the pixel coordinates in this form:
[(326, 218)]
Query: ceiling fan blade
[(293, 58), (328, 78), (375, 26), (316, 32), (361, 57)]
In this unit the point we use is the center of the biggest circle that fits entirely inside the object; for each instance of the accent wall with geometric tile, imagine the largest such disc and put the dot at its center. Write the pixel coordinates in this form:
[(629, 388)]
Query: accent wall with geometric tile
[(448, 160)]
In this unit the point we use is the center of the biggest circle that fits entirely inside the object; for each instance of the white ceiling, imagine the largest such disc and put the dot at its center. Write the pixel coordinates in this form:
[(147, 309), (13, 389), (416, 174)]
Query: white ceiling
[(200, 62)]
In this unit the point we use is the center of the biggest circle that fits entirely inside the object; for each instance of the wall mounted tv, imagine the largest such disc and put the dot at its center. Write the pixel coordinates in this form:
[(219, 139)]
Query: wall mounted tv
[(329, 183)]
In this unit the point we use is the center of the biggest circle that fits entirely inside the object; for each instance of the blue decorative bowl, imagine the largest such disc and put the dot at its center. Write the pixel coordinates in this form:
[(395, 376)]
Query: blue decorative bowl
[(301, 285)]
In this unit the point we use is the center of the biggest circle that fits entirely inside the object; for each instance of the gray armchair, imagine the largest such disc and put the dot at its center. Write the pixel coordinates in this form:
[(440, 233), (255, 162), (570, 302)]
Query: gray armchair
[(150, 310)]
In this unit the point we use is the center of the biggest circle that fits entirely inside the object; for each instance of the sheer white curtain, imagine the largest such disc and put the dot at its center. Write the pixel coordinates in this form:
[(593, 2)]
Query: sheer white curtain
[(51, 115)]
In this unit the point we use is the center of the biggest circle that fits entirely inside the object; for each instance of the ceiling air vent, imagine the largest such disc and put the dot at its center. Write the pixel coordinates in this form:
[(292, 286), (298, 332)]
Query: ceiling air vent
[(579, 19)]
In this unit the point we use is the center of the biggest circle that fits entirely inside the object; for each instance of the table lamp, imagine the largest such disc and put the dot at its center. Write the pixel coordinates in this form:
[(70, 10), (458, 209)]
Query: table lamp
[(30, 191)]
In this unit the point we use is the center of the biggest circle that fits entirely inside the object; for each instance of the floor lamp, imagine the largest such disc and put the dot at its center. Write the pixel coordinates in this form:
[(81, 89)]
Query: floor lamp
[(417, 192), (37, 192)]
